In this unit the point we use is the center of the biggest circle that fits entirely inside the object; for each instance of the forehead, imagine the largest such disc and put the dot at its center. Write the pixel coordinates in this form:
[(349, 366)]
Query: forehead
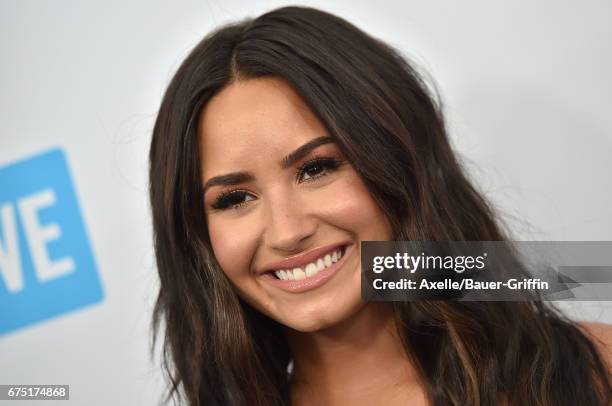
[(254, 119)]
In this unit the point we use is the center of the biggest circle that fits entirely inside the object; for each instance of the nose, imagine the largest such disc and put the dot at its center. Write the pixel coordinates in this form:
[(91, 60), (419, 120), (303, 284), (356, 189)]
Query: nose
[(289, 225)]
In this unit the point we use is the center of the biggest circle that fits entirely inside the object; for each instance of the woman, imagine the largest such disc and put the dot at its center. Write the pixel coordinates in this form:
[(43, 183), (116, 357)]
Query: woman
[(280, 144)]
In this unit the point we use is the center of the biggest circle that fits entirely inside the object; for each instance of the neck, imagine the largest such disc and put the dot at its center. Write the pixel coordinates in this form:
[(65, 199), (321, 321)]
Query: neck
[(361, 358)]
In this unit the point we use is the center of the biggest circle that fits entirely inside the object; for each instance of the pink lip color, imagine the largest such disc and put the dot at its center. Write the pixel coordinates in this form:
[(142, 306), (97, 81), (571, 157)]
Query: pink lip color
[(311, 282), (302, 259)]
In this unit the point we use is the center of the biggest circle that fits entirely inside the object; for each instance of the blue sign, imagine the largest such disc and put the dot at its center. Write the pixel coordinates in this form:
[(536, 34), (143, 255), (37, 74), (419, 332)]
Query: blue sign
[(46, 264)]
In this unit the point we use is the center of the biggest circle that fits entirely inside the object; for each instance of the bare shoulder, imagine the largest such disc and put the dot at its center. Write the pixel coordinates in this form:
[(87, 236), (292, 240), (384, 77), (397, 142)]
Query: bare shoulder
[(601, 335), (601, 332)]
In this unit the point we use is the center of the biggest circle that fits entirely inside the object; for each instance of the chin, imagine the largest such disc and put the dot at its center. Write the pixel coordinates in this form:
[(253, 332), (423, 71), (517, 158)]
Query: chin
[(323, 318)]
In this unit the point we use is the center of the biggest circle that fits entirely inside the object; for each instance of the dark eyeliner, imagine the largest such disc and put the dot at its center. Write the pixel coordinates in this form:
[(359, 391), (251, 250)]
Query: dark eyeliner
[(229, 199), (326, 163), (235, 198)]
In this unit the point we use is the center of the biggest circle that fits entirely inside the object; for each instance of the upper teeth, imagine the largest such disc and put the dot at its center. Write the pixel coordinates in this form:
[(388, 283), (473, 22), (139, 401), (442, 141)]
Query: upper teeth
[(311, 268)]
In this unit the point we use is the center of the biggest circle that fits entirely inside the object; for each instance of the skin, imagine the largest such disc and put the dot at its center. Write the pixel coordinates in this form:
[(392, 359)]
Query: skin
[(250, 126), (345, 351), (338, 340), (601, 334)]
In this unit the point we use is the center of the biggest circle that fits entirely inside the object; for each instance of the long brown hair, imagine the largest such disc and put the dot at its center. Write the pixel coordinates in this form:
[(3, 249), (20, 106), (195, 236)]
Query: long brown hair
[(219, 351)]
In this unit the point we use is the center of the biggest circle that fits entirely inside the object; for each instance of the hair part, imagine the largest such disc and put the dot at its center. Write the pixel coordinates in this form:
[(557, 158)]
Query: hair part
[(220, 351)]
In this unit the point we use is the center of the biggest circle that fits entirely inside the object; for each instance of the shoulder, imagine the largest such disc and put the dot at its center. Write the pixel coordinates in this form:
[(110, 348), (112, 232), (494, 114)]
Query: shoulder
[(601, 335)]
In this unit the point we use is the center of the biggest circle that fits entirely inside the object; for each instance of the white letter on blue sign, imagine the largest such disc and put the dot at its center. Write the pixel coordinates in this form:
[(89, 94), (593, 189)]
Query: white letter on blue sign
[(10, 261), (39, 236)]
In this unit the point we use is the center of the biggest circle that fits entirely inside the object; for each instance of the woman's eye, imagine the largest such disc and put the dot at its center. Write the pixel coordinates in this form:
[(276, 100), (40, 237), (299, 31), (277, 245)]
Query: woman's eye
[(316, 168), (234, 199), (310, 171)]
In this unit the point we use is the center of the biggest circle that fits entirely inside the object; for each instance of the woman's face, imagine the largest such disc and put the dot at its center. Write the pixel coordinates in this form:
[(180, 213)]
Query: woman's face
[(285, 210)]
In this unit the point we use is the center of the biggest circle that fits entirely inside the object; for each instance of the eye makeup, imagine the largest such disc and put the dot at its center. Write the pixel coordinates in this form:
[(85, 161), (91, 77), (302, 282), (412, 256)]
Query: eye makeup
[(310, 171), (233, 198), (315, 168)]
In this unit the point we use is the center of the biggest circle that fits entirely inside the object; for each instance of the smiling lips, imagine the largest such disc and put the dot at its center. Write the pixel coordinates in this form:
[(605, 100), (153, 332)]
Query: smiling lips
[(309, 270), (312, 268)]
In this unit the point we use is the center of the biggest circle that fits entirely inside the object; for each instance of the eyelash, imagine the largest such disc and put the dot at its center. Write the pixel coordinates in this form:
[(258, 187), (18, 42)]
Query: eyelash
[(235, 198), (328, 164)]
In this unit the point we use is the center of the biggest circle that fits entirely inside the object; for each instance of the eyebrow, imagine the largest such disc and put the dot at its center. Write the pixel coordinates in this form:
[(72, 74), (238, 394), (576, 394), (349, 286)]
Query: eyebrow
[(235, 178), (302, 151)]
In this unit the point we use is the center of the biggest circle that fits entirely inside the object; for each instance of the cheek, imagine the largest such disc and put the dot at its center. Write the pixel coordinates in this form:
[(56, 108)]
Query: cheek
[(233, 244), (353, 208)]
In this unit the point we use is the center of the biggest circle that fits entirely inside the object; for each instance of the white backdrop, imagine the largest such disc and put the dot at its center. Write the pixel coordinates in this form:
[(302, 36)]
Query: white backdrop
[(527, 94)]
